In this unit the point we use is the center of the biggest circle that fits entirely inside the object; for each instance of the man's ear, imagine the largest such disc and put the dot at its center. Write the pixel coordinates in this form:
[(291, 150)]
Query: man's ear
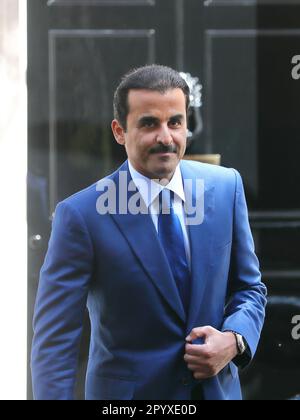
[(118, 132)]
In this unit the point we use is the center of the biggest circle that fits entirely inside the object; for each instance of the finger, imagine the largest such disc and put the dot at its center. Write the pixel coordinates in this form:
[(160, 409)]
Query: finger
[(196, 350), (194, 368), (196, 360), (201, 375), (196, 333)]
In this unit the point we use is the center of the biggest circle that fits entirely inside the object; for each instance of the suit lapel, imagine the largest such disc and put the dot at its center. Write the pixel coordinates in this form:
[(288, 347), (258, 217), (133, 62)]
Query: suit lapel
[(142, 238), (200, 236)]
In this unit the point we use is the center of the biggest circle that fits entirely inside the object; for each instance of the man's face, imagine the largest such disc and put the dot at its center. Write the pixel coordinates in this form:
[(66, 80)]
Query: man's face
[(155, 139)]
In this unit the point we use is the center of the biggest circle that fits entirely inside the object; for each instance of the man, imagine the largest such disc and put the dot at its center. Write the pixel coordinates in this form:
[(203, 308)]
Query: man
[(175, 298)]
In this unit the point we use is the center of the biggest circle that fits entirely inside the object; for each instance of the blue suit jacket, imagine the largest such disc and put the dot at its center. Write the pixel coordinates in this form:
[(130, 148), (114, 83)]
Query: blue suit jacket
[(115, 264)]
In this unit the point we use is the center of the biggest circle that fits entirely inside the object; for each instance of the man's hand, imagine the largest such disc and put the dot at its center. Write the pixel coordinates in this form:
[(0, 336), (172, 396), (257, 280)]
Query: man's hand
[(208, 359)]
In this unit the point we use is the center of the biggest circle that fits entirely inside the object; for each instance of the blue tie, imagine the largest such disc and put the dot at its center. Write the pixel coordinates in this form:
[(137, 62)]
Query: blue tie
[(171, 237)]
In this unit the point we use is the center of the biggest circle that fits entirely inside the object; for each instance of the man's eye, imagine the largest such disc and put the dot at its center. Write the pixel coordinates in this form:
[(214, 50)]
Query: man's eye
[(175, 123), (148, 124)]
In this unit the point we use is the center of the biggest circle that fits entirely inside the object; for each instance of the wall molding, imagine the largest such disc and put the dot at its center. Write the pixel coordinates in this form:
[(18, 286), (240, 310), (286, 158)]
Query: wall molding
[(246, 33), (281, 274), (275, 215), (275, 219), (274, 225), (243, 3), (101, 3)]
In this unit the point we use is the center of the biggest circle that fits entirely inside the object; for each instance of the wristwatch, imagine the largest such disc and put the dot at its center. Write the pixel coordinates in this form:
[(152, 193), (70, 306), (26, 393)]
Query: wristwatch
[(240, 343)]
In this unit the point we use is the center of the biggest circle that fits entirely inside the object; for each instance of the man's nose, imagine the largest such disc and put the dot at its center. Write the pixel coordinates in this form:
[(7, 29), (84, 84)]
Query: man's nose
[(164, 136)]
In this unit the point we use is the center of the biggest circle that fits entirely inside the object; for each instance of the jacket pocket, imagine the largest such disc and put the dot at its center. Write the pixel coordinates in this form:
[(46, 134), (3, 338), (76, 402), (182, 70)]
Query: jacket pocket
[(109, 388)]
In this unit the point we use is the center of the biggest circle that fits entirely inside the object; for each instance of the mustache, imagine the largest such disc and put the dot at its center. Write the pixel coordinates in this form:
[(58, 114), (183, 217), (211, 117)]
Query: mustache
[(160, 148)]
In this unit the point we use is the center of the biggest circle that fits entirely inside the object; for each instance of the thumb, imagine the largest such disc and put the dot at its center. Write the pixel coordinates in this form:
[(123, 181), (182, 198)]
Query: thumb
[(199, 332)]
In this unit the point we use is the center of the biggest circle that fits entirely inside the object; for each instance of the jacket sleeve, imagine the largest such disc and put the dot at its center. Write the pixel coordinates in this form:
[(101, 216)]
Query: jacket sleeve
[(245, 309), (60, 306)]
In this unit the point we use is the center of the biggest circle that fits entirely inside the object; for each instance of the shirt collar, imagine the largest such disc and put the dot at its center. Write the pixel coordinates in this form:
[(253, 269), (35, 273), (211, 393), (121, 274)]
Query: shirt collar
[(150, 189)]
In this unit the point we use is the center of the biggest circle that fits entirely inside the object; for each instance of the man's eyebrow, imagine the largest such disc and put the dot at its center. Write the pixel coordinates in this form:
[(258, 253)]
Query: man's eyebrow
[(177, 117), (147, 119)]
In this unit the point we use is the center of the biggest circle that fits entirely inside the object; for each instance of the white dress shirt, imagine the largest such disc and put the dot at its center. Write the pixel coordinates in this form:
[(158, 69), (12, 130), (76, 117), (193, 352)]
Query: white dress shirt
[(150, 189)]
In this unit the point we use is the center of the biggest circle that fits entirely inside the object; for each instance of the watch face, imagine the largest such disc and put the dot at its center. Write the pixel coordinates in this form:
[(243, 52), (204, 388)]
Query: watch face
[(241, 344)]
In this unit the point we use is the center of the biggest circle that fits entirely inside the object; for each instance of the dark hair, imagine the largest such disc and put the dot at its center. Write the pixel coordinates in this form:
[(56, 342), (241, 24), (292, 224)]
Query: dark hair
[(153, 77)]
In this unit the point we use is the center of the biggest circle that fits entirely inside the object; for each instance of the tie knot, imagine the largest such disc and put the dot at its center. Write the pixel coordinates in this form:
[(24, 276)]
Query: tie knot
[(166, 201)]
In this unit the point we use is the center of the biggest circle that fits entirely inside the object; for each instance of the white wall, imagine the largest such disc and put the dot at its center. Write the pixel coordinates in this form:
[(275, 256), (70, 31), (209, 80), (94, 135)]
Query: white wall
[(13, 166)]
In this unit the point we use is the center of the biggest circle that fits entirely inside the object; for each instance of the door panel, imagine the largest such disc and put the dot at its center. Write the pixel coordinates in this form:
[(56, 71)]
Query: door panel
[(84, 66)]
